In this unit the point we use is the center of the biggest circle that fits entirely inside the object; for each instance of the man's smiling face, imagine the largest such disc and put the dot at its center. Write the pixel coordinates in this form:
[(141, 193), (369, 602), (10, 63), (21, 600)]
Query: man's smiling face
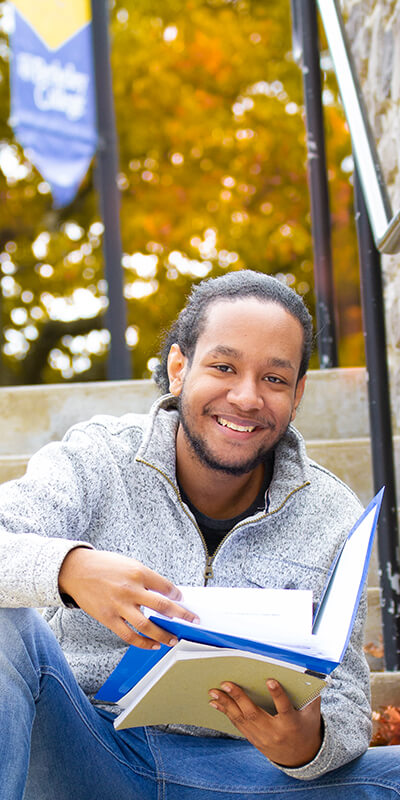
[(241, 390)]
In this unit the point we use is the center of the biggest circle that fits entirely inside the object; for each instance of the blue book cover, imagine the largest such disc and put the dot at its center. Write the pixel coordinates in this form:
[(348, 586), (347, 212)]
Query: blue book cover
[(132, 667)]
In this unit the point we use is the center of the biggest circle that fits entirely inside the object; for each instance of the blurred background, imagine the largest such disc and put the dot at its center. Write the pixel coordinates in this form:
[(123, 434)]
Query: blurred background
[(212, 177)]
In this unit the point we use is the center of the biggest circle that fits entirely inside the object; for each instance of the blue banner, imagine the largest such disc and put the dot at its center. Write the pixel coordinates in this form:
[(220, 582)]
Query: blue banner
[(53, 104)]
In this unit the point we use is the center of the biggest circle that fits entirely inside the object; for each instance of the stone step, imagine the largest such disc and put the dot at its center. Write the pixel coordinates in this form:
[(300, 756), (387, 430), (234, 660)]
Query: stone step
[(31, 416), (385, 689), (349, 459), (333, 418), (334, 405), (12, 467)]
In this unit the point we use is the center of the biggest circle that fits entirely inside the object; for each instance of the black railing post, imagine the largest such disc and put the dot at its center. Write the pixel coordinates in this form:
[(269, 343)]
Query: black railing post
[(118, 365), (381, 429), (305, 38)]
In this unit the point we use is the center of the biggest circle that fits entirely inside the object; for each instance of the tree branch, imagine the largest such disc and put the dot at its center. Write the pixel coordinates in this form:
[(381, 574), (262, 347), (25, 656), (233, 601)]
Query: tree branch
[(51, 333)]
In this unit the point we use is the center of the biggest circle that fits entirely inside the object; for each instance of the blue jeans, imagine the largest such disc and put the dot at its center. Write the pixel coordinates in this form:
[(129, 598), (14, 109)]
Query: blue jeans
[(54, 745)]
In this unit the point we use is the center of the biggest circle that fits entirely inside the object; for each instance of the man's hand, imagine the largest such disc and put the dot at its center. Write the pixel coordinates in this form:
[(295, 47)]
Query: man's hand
[(290, 738), (111, 588)]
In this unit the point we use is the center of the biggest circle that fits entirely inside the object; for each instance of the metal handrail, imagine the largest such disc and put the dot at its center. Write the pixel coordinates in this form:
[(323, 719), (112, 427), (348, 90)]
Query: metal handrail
[(385, 226)]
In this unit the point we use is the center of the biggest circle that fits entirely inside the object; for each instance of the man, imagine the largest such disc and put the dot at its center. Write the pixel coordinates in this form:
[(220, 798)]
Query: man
[(213, 487)]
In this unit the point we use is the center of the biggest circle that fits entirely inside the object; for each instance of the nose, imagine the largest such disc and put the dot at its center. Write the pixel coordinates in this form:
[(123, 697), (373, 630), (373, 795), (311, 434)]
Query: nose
[(245, 394)]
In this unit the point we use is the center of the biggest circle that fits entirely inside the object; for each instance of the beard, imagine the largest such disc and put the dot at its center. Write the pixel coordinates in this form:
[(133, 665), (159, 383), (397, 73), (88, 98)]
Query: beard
[(201, 449)]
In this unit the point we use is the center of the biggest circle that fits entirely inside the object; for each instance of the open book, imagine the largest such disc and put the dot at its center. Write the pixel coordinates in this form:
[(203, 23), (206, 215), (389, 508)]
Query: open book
[(236, 642)]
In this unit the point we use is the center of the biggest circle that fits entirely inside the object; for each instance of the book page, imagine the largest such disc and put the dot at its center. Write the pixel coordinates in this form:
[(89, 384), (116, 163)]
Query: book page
[(185, 650), (282, 616)]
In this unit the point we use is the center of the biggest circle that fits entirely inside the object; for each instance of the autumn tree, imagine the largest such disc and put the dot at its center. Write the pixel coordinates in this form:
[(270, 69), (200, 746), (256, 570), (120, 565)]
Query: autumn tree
[(212, 177)]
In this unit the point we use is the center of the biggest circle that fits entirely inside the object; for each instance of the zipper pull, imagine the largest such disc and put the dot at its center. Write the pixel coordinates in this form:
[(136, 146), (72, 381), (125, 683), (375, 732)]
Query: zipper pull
[(208, 572)]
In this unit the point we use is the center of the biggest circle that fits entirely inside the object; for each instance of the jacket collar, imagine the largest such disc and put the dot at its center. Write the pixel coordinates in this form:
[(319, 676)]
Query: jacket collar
[(158, 445), (291, 469)]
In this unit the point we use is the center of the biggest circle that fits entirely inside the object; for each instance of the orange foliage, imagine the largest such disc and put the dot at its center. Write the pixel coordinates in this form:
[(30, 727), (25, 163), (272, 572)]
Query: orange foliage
[(386, 726), (211, 140)]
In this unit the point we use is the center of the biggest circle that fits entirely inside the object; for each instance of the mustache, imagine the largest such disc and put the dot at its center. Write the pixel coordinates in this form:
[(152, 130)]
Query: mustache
[(261, 422)]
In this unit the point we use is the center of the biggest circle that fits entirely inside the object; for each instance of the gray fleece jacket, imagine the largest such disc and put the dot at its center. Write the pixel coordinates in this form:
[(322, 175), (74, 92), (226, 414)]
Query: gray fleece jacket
[(111, 483)]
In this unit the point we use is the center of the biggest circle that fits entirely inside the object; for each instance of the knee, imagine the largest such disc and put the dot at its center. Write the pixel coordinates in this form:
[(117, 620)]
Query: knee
[(14, 624), (19, 651)]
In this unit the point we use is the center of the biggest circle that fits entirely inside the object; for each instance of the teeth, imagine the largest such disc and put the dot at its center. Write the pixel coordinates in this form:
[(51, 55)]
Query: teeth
[(226, 424)]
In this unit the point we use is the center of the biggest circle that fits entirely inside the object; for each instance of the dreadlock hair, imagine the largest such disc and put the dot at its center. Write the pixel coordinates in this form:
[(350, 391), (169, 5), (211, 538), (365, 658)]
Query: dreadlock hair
[(191, 321)]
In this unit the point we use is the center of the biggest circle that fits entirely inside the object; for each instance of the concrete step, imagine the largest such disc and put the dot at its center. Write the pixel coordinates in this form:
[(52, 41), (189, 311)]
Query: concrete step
[(334, 405), (349, 459), (333, 418), (12, 467), (385, 689), (31, 416)]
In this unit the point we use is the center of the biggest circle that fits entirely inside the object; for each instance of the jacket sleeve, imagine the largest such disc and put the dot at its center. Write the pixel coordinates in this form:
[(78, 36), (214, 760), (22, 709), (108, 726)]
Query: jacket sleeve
[(43, 516), (345, 709)]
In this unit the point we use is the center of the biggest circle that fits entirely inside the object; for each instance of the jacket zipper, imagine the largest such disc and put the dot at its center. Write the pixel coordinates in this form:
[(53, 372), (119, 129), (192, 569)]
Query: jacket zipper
[(208, 571)]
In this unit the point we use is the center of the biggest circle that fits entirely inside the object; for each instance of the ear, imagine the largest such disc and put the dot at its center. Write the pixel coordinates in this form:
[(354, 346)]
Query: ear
[(176, 366), (298, 395)]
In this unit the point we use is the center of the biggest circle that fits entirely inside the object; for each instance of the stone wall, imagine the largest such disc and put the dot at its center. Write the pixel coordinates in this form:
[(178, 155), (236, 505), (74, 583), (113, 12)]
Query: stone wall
[(373, 29)]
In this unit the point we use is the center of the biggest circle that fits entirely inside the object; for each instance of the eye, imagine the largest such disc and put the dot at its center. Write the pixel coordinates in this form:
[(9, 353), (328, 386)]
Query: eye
[(274, 379), (223, 368)]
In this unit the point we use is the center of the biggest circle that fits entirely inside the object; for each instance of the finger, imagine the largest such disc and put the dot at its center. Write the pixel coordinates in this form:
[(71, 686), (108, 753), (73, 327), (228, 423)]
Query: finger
[(139, 632), (280, 698), (159, 603), (222, 702), (152, 580), (144, 627), (236, 704), (120, 627), (144, 642), (242, 700)]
